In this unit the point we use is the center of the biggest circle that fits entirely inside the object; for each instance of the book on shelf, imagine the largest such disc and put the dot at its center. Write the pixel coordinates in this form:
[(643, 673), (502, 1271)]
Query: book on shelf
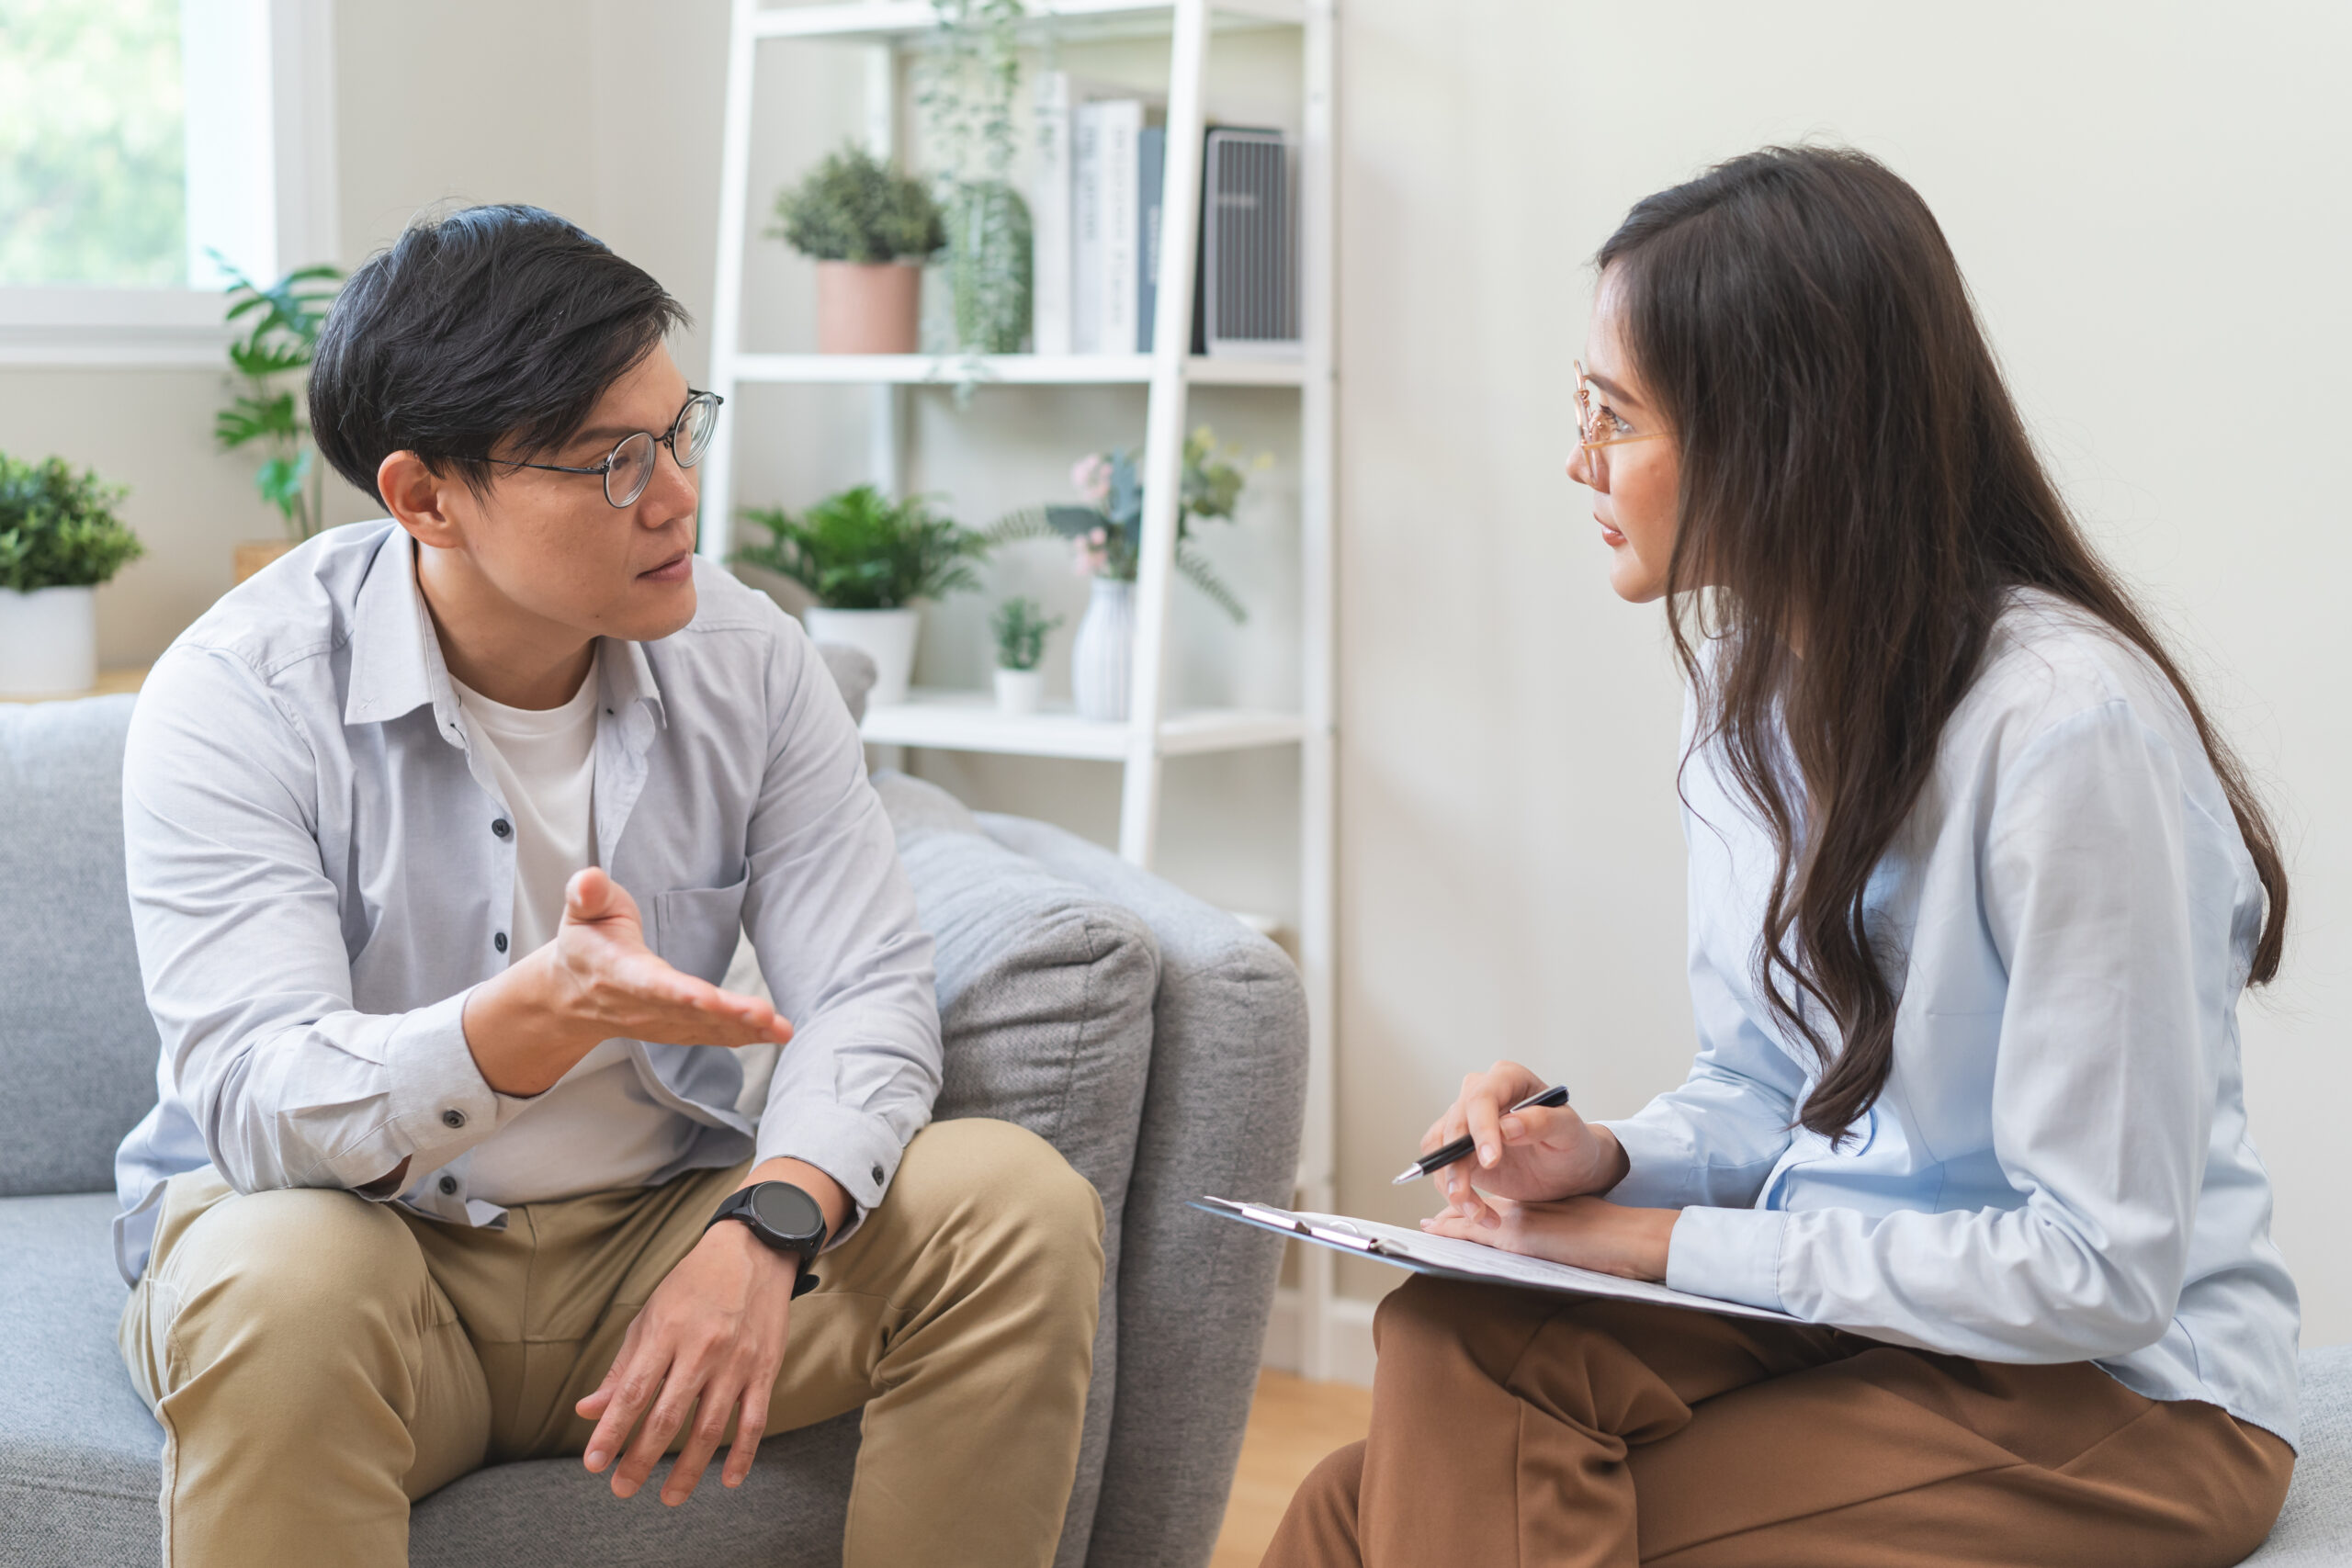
[(1049, 217), (1098, 210)]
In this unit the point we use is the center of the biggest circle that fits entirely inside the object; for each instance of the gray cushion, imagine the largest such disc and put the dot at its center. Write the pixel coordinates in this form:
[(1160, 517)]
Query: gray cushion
[(1046, 996), (854, 671), (2314, 1530), (1228, 1080), (77, 1047)]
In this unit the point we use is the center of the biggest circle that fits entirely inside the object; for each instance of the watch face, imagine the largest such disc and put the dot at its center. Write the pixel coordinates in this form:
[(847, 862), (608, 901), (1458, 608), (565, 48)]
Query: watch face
[(787, 1209)]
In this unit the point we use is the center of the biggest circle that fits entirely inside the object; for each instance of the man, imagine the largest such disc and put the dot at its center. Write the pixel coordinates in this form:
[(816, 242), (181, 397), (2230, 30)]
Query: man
[(440, 832)]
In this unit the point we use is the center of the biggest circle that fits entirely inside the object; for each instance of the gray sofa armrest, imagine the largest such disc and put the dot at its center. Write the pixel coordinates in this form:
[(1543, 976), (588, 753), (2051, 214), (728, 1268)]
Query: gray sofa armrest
[(1223, 1113)]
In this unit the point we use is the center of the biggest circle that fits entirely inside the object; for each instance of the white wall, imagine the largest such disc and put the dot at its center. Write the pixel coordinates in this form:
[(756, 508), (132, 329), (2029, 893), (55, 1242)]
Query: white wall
[(2148, 199)]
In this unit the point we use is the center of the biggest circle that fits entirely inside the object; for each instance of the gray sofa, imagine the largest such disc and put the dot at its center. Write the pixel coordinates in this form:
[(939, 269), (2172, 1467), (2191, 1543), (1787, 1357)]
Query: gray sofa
[(1155, 1040)]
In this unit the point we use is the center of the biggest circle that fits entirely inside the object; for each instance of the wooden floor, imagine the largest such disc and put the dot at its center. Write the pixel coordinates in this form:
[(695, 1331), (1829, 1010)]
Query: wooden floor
[(1292, 1424)]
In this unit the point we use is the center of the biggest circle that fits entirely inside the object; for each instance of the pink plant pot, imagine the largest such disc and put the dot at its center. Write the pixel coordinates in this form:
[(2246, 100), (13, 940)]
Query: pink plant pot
[(868, 307)]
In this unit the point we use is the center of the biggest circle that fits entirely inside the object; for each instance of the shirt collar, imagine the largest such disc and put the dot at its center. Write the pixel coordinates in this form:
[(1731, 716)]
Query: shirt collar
[(396, 666)]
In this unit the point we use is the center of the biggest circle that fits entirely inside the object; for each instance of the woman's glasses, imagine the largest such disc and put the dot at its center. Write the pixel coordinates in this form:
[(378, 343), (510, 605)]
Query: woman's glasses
[(628, 466), (1597, 424)]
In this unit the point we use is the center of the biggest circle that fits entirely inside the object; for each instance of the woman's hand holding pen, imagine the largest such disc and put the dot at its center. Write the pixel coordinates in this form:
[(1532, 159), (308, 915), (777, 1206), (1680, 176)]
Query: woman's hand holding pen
[(1526, 1186)]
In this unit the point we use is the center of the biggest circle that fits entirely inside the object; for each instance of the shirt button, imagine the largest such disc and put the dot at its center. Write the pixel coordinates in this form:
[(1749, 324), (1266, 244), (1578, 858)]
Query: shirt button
[(877, 1174), (449, 1186), (499, 941), (453, 1118), (501, 827)]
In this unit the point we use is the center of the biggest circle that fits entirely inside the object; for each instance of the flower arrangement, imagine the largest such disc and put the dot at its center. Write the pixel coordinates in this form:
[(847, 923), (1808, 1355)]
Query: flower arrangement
[(1020, 630), (58, 529), (1106, 532), (852, 207), (859, 550)]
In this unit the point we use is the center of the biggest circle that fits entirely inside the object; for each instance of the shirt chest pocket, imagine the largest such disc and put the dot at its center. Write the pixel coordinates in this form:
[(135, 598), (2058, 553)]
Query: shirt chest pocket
[(694, 929)]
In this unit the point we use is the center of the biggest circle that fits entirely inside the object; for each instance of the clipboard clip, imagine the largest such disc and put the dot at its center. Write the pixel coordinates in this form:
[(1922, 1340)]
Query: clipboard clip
[(1338, 1233)]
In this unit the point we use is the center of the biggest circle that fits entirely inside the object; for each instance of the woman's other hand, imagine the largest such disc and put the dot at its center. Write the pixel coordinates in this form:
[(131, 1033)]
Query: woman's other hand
[(1586, 1232), (1532, 1155)]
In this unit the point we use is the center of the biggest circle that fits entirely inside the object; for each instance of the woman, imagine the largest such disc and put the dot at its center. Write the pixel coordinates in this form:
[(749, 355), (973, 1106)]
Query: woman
[(1974, 888)]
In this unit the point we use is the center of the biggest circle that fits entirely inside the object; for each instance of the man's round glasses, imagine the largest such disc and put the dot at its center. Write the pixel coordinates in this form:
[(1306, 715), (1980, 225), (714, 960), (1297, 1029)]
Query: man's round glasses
[(1597, 424), (628, 466)]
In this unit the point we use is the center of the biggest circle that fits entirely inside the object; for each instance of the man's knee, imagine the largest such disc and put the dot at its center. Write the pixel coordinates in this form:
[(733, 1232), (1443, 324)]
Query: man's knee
[(1017, 1194), (295, 1266)]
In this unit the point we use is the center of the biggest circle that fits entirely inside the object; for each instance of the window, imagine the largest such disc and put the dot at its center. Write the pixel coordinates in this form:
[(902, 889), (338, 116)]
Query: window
[(139, 141)]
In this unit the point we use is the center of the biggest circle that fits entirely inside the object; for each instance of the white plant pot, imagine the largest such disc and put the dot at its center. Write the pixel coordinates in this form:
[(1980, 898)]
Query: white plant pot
[(1102, 656), (886, 637), (1020, 690), (48, 641)]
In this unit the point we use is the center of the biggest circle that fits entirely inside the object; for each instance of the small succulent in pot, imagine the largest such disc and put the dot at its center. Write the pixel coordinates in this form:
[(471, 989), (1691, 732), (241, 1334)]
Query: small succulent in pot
[(868, 227), (1022, 628)]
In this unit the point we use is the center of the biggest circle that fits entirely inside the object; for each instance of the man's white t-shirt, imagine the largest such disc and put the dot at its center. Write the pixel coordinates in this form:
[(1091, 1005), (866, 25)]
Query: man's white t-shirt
[(596, 1129)]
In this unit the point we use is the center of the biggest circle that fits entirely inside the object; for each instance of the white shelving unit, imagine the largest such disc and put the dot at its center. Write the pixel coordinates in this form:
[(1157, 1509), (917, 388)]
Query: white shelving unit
[(969, 721)]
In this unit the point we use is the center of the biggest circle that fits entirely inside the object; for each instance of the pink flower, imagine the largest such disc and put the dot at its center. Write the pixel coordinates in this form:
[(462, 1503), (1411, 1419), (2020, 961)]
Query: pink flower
[(1090, 476), (1088, 557)]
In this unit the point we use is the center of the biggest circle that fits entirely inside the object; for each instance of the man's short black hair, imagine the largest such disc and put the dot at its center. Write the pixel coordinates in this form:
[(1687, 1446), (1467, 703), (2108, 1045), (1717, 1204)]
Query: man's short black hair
[(489, 325)]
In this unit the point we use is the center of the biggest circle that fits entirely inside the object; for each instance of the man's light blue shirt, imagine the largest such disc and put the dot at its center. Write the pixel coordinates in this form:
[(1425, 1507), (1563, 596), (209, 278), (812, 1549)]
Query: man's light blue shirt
[(2059, 1168), (316, 884)]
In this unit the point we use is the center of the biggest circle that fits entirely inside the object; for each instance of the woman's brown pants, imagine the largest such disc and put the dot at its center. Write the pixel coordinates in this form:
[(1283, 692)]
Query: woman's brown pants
[(1513, 1427)]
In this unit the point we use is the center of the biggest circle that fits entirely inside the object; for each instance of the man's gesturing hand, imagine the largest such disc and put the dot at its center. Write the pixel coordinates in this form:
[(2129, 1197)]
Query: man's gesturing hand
[(597, 979), (709, 1342), (1534, 1155)]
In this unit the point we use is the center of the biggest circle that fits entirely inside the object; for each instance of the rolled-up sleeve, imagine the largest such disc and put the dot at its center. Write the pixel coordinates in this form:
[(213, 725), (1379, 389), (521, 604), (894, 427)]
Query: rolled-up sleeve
[(241, 948), (832, 915), (2102, 1106)]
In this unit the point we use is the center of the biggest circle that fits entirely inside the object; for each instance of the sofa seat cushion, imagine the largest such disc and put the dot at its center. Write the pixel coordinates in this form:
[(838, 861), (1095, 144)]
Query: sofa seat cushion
[(2314, 1530)]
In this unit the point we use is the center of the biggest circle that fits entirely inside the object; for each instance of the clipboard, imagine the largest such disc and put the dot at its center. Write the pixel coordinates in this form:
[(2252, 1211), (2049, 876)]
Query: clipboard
[(1448, 1257)]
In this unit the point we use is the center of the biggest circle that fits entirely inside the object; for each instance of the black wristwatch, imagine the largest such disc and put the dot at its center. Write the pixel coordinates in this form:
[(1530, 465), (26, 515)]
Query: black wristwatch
[(786, 1218)]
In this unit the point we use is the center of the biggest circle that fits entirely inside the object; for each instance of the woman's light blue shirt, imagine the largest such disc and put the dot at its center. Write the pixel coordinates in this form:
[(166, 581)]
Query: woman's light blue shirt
[(2059, 1168)]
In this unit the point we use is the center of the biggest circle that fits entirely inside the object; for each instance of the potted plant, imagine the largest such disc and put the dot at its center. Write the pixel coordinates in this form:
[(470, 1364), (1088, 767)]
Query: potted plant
[(1020, 630), (869, 228), (1107, 539), (281, 325), (964, 87), (867, 558), (59, 540)]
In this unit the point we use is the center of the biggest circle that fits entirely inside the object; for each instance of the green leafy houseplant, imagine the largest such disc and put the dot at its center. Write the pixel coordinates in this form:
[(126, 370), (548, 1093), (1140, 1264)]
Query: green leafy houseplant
[(281, 324), (852, 207), (859, 550), (966, 82), (58, 529), (1106, 534), (1020, 630)]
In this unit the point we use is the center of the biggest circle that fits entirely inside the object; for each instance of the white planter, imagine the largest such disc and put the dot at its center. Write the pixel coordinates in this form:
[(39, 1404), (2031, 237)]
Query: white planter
[(1102, 656), (887, 637), (48, 642), (1020, 690)]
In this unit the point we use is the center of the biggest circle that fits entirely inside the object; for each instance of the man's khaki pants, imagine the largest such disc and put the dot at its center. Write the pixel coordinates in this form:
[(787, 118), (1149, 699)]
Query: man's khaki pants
[(319, 1362)]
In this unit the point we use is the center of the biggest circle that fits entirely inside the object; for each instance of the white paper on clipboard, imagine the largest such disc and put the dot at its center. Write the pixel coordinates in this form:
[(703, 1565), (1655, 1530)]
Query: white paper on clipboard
[(1452, 1259)]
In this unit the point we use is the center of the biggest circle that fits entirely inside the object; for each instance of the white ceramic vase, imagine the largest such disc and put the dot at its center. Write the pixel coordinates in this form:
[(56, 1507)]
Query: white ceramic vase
[(1019, 690), (48, 641), (1102, 656), (887, 637)]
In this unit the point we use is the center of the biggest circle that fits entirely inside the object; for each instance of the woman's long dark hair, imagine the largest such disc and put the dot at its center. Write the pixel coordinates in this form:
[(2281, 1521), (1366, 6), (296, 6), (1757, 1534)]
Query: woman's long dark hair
[(1856, 485)]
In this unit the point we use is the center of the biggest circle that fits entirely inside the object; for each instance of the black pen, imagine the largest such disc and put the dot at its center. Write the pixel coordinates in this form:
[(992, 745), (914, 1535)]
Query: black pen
[(1446, 1154)]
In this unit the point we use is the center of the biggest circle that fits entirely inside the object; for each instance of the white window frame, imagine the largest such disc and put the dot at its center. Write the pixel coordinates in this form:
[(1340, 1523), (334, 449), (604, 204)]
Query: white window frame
[(260, 93)]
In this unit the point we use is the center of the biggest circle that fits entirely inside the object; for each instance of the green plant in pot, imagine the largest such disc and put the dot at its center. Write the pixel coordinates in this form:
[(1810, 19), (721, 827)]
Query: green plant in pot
[(1021, 628), (966, 82), (59, 540), (280, 323), (866, 559), (869, 228)]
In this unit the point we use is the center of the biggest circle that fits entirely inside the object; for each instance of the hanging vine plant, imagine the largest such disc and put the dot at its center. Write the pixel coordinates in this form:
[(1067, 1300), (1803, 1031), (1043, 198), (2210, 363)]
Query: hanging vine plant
[(964, 87)]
